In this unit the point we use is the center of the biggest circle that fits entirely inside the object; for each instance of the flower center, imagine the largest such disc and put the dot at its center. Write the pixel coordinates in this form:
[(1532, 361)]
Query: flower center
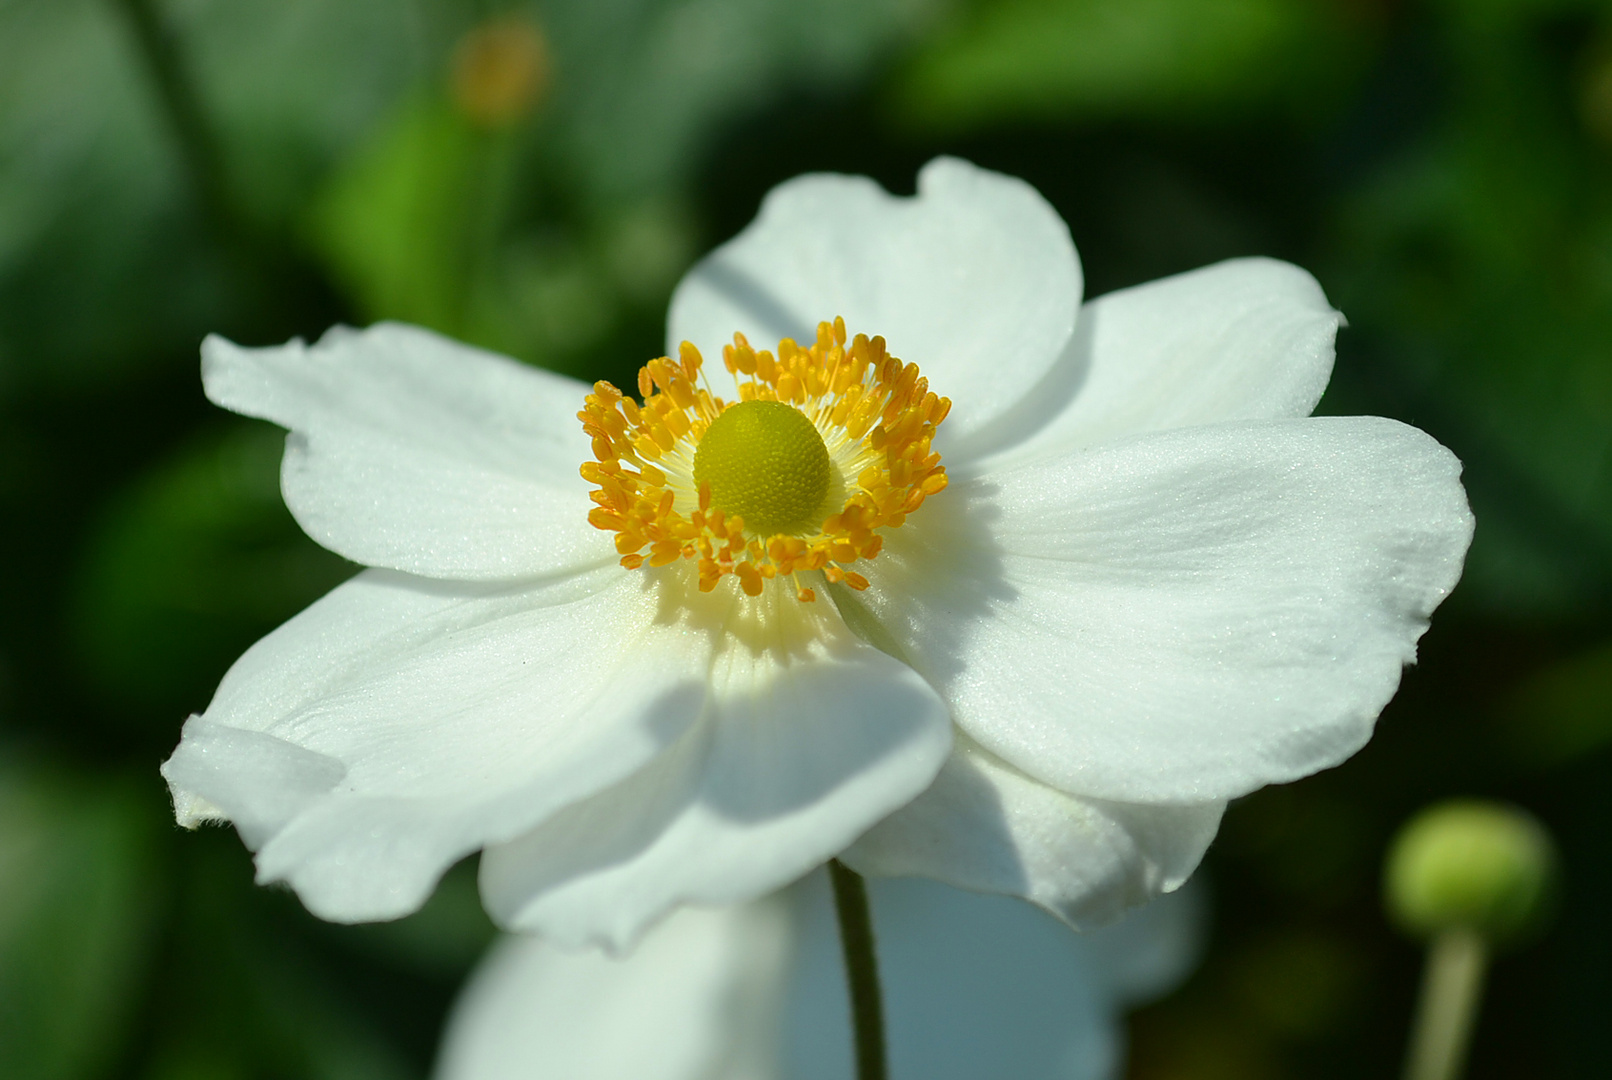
[(825, 448), (765, 461)]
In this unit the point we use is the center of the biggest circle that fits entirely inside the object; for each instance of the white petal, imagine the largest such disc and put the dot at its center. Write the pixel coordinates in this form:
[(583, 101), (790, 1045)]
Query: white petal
[(1151, 951), (191, 810), (416, 453), (1181, 617), (974, 986), (809, 737), (263, 781), (399, 724), (698, 999), (1246, 339), (984, 825), (975, 280)]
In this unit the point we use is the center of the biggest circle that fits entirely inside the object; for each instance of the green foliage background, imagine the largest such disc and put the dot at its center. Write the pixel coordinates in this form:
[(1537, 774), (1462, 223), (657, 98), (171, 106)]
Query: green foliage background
[(264, 168)]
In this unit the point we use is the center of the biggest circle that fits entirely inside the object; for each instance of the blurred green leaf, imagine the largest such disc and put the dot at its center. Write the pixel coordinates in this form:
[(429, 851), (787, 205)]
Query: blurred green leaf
[(542, 241), (307, 1041), (1063, 58), (643, 87), (253, 997), (397, 221), (444, 938), (292, 85), (72, 105), (555, 294), (107, 261), (415, 225), (1484, 252), (78, 904), (1564, 711), (91, 214), (1298, 983), (190, 567)]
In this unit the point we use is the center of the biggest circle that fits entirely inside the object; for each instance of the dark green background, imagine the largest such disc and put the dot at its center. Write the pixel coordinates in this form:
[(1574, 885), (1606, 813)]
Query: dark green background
[(264, 168)]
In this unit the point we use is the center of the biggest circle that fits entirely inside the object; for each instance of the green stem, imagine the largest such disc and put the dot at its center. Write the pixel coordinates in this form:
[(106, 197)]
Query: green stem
[(861, 969), (1451, 989), (261, 259), (197, 146)]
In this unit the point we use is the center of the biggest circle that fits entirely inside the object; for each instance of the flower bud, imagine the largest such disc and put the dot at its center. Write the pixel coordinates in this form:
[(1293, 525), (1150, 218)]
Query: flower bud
[(1469, 864), (500, 70)]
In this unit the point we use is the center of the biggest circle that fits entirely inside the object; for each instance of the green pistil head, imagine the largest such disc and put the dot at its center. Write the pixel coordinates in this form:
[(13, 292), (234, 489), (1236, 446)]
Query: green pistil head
[(765, 461)]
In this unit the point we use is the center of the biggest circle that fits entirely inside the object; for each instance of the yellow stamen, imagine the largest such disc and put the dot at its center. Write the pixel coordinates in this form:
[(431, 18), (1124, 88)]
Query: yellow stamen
[(823, 446)]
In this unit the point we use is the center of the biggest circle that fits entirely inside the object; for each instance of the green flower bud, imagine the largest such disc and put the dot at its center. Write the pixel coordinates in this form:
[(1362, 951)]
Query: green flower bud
[(1469, 864)]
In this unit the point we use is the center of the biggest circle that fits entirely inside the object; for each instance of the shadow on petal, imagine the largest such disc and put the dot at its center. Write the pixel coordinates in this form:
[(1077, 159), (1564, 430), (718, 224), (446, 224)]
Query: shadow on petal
[(1037, 408), (805, 737), (938, 577), (749, 293)]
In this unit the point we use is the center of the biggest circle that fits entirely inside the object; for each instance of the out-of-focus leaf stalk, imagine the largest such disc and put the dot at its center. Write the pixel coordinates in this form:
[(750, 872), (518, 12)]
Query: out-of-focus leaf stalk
[(198, 147), (1467, 875), (262, 258), (1452, 987)]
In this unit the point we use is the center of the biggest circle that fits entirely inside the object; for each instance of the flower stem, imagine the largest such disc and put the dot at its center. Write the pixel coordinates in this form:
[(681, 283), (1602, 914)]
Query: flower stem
[(1451, 989), (861, 969), (261, 259), (199, 150)]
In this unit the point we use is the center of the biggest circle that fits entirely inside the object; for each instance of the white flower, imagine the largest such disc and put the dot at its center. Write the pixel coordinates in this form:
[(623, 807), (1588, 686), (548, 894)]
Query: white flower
[(1152, 584), (974, 986)]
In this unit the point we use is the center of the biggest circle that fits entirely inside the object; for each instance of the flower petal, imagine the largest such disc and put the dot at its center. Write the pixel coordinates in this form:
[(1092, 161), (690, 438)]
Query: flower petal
[(975, 280), (1153, 949), (809, 737), (398, 724), (416, 453), (974, 986), (1181, 617), (1245, 339), (698, 999), (983, 825)]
